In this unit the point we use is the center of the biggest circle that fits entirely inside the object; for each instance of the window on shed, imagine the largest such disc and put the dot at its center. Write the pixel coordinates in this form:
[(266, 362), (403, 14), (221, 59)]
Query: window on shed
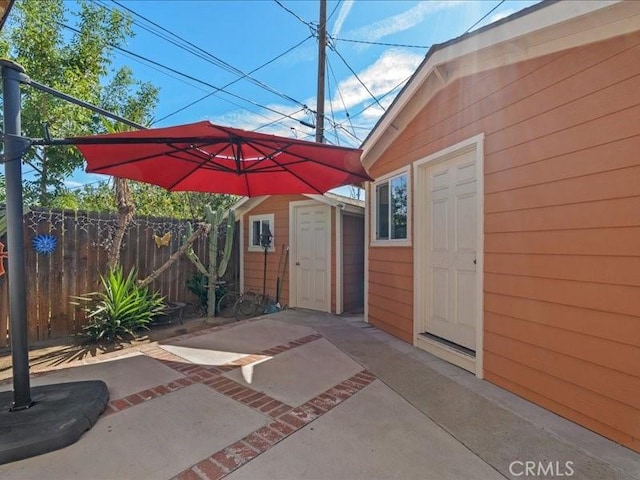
[(391, 208), (261, 227)]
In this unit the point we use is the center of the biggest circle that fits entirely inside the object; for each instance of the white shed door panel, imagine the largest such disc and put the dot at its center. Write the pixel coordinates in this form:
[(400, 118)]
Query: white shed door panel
[(451, 253), (312, 257)]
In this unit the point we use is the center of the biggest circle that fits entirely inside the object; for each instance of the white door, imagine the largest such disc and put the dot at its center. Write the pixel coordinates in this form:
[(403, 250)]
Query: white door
[(312, 257), (451, 222)]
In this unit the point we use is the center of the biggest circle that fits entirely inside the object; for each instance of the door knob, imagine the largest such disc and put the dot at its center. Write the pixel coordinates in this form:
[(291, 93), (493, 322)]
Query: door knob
[(475, 261), (298, 264)]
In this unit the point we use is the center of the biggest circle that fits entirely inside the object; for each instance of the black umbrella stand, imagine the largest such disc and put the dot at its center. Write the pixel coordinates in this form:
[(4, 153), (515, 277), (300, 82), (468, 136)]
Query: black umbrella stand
[(45, 418)]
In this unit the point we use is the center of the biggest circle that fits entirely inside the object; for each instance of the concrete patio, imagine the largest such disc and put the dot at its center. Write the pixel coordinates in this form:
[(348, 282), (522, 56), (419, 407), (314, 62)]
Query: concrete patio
[(308, 395)]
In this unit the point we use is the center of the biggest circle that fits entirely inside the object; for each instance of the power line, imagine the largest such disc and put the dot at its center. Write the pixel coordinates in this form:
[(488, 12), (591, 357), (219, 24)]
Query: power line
[(384, 44), (335, 129), (231, 83), (203, 54), (381, 97), (485, 16), (334, 10), (190, 77), (300, 19), (332, 47), (344, 105), (278, 120)]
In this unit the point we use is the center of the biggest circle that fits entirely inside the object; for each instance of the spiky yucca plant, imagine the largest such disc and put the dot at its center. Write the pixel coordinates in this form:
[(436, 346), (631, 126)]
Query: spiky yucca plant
[(123, 308)]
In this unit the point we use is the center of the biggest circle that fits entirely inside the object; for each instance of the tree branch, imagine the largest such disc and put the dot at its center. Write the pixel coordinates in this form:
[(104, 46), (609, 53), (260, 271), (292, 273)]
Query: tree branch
[(203, 229)]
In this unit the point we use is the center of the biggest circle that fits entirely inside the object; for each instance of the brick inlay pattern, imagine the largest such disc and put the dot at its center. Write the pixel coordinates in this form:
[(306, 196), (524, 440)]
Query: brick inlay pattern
[(144, 396), (212, 377), (234, 456)]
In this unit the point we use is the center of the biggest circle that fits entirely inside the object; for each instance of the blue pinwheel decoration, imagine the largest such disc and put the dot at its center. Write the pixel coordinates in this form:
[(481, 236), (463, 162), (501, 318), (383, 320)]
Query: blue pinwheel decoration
[(44, 243)]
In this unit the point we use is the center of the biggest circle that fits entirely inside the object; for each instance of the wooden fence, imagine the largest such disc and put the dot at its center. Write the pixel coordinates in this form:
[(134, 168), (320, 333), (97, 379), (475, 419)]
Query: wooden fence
[(80, 256)]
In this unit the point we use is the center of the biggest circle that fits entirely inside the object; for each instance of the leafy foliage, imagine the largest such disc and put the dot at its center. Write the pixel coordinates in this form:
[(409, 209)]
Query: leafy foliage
[(121, 309), (197, 284), (70, 50), (150, 200)]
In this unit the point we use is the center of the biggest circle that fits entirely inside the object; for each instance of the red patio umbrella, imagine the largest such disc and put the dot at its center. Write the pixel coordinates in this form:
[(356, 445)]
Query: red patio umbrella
[(204, 157)]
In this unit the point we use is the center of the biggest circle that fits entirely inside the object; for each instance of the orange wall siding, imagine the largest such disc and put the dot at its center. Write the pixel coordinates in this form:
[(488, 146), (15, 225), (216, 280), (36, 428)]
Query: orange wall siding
[(353, 263), (254, 261), (562, 228), (391, 290)]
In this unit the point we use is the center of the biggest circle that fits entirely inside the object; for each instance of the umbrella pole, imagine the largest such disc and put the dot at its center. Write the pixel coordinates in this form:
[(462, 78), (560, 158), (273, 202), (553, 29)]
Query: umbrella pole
[(14, 147)]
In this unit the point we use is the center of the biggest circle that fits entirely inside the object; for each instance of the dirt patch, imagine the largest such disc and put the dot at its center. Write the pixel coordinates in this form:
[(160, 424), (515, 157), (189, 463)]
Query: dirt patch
[(66, 351)]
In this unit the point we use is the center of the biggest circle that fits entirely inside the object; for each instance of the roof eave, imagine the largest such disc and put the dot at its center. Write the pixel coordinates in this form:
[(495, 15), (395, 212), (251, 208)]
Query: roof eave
[(497, 44)]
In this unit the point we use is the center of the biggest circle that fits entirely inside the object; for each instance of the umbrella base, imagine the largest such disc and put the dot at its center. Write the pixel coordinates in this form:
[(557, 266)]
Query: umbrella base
[(60, 415)]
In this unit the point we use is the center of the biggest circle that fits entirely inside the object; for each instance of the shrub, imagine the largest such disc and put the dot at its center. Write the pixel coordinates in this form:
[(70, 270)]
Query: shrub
[(197, 284), (122, 309)]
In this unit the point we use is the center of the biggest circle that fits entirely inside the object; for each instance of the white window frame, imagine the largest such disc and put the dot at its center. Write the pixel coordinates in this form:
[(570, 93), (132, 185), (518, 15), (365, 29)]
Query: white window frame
[(260, 218), (391, 242)]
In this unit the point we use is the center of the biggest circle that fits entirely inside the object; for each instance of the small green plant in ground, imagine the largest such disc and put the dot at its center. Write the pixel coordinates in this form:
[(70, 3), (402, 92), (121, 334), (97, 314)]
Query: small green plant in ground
[(123, 308), (197, 284)]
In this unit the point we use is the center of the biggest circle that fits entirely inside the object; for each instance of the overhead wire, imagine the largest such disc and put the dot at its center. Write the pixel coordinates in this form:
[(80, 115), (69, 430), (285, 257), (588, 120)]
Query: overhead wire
[(231, 83), (384, 44), (333, 48), (205, 55), (344, 105), (335, 129), (334, 10), (185, 75), (485, 16), (300, 19)]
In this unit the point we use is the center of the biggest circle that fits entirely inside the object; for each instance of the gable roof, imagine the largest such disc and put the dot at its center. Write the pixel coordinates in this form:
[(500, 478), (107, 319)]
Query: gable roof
[(245, 204), (542, 29)]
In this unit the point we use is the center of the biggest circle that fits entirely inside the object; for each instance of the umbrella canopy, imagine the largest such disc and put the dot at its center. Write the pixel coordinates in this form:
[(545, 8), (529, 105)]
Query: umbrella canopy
[(203, 157)]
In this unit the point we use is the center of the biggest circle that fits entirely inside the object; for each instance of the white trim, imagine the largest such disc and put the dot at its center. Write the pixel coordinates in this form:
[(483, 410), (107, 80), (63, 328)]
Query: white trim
[(241, 247), (367, 235), (293, 285), (272, 226), (446, 353), (555, 27), (419, 282), (245, 204), (394, 242), (338, 272)]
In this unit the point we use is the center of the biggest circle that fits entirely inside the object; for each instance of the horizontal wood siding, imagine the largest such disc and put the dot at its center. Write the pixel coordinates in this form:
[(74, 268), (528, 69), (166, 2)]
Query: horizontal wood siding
[(562, 228), (353, 263), (390, 293), (278, 205)]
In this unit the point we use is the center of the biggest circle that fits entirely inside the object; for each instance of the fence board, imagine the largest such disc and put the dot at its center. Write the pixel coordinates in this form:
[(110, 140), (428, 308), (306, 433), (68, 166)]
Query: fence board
[(58, 284), (81, 255)]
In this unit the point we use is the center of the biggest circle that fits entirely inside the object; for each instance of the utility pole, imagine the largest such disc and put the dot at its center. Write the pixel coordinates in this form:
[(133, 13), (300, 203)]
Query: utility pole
[(322, 44)]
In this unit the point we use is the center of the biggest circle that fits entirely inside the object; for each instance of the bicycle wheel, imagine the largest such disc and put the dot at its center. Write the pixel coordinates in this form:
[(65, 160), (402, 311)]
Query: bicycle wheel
[(245, 306), (227, 304)]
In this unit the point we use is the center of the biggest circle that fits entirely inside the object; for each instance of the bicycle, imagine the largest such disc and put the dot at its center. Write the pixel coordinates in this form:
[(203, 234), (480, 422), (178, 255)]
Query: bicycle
[(242, 305)]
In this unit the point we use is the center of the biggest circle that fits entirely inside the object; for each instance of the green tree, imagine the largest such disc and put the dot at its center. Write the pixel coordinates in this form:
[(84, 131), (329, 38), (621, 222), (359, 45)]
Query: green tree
[(77, 61), (150, 200)]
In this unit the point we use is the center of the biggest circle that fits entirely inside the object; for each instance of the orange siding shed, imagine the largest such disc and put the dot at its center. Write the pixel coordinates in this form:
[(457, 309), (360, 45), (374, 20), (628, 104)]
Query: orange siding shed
[(561, 313)]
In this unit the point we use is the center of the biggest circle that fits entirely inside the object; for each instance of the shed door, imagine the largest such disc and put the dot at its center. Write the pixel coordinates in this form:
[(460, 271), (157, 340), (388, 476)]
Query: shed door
[(451, 250), (313, 288)]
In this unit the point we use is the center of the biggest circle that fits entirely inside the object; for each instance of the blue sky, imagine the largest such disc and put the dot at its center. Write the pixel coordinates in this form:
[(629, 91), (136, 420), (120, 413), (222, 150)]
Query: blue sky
[(247, 34)]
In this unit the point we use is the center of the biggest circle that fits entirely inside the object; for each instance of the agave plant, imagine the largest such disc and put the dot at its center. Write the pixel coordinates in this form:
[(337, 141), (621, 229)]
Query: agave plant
[(123, 308)]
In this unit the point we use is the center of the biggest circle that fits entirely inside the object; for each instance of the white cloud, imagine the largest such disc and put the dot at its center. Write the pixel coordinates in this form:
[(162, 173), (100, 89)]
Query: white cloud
[(391, 69), (402, 21), (500, 15), (345, 8)]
